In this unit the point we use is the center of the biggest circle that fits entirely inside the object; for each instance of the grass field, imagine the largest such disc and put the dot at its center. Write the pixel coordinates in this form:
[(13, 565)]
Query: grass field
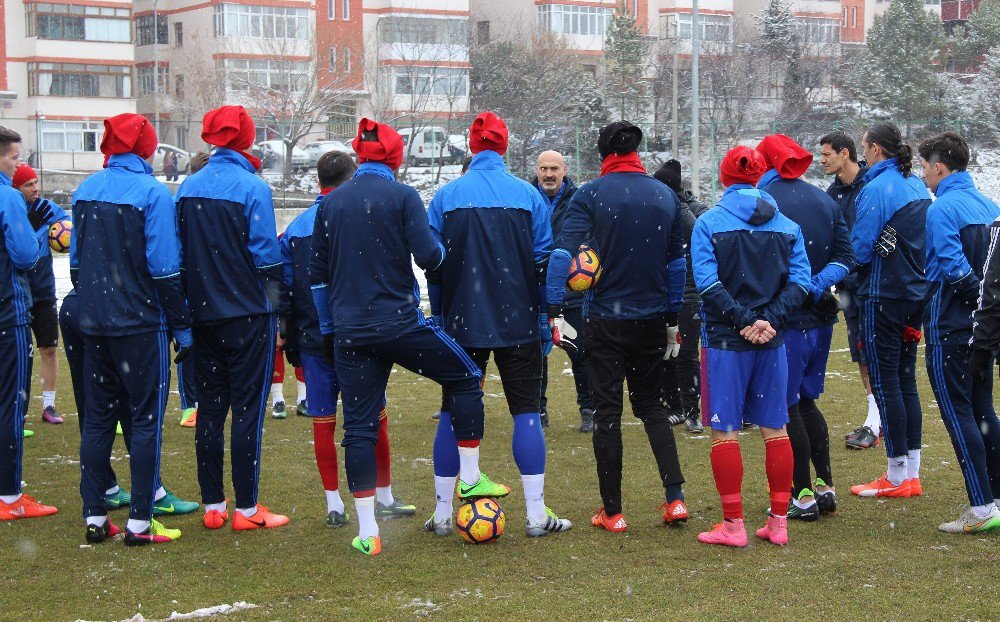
[(875, 560)]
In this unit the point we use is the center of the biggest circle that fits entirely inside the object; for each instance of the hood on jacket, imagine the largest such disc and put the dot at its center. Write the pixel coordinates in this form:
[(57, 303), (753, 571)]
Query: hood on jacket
[(749, 204)]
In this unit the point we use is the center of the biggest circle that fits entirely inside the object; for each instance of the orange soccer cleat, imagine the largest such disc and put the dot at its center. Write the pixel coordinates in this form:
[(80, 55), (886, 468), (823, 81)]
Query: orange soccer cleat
[(674, 513), (615, 523), (263, 519), (882, 487), (25, 507), (916, 490), (214, 519)]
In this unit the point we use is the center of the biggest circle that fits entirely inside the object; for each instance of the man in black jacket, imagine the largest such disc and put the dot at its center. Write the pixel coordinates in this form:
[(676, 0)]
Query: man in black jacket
[(557, 189), (682, 375), (986, 324)]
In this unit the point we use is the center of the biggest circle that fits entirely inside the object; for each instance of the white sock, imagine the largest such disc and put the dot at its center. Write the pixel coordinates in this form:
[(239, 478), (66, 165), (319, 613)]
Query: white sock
[(982, 511), (897, 471), (217, 507), (468, 465), (365, 507), (112, 490), (48, 399), (301, 391), (247, 512), (383, 494), (10, 498), (874, 420), (913, 464), (444, 490), (137, 526), (276, 395), (802, 505), (160, 493), (97, 521), (534, 497), (333, 502)]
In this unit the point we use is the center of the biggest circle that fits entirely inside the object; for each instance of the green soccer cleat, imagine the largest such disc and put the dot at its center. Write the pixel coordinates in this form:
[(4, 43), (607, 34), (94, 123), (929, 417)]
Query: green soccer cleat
[(337, 519), (118, 429), (396, 509), (809, 513), (117, 500), (484, 488), (372, 545), (27, 433), (170, 504)]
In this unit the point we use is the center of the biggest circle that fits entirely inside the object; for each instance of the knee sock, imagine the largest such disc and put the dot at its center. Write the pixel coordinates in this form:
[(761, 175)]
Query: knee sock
[(365, 508), (727, 468), (528, 446), (137, 526), (674, 492), (276, 395), (913, 464), (446, 460), (874, 418), (300, 387), (218, 507), (819, 439), (326, 460), (444, 493), (383, 481), (98, 521), (896, 470), (798, 437), (10, 498), (779, 463), (48, 399)]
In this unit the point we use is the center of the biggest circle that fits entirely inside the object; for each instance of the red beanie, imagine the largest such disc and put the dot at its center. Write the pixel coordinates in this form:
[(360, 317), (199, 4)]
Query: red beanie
[(23, 175), (377, 142), (785, 155), (488, 133), (129, 133), (742, 165), (230, 127)]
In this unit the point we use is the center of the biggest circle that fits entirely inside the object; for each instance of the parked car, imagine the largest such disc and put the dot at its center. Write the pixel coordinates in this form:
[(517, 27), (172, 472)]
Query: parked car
[(317, 148), (183, 158), (458, 148), (273, 155), (430, 144)]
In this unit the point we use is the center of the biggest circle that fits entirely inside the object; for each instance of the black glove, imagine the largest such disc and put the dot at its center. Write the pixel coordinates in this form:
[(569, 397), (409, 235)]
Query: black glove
[(980, 364), (827, 306), (182, 352), (39, 214), (328, 348)]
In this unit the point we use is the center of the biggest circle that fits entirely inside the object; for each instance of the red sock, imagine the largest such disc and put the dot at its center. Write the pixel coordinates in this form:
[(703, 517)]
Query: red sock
[(779, 462), (727, 467), (278, 376), (326, 451), (382, 459), (299, 375)]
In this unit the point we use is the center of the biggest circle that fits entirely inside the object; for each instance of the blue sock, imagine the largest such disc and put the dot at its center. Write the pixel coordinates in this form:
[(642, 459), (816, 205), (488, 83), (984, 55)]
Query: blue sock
[(528, 444), (674, 493), (445, 448)]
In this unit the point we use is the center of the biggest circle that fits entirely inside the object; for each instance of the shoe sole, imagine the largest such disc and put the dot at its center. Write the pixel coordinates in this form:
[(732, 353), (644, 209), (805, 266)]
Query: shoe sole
[(394, 516)]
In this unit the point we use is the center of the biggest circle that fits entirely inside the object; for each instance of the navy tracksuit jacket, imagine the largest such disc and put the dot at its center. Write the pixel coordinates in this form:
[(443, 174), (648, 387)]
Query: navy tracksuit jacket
[(20, 248), (125, 264), (41, 278), (232, 275), (297, 301), (958, 238)]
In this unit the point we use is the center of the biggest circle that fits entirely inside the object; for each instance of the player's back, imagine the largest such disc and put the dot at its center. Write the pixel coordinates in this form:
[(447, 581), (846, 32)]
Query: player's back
[(296, 245)]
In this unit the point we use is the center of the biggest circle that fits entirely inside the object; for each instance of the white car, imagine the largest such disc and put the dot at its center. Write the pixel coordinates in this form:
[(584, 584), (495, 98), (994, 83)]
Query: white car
[(183, 158), (317, 148), (427, 145), (273, 155)]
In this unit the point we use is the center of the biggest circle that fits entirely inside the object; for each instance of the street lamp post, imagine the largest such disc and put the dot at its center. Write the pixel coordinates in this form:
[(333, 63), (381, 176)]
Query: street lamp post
[(695, 138)]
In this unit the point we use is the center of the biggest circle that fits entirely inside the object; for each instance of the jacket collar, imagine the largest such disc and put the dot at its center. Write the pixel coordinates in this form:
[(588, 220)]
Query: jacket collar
[(959, 180), (4, 180), (130, 162), (487, 160), (230, 156), (375, 168), (768, 177), (881, 167)]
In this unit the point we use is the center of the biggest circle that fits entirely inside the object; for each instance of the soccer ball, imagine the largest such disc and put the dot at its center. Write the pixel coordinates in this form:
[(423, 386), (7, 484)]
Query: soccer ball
[(59, 235), (585, 270), (481, 521)]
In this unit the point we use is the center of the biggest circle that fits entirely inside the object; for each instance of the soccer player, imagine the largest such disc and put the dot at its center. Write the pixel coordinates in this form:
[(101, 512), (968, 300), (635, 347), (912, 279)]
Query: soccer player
[(125, 266), (630, 317), (752, 271), (889, 247), (486, 295), (44, 318), (304, 348), (367, 301), (808, 330), (681, 379), (232, 276), (23, 236), (958, 225), (839, 157), (557, 189)]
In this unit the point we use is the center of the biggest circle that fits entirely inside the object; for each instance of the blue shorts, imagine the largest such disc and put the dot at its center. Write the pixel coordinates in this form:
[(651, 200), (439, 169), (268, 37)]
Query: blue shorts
[(744, 386), (807, 350), (322, 386)]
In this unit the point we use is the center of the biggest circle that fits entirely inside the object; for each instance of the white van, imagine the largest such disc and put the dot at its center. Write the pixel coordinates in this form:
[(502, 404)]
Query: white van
[(428, 144)]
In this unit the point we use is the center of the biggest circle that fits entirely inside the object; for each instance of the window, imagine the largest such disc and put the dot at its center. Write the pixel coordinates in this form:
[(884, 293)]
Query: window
[(432, 81), (845, 17), (179, 34), (72, 22), (260, 22), (347, 60), (179, 87), (818, 30), (331, 9), (182, 138), (333, 59), (71, 135), (710, 27), (483, 33), (568, 19), (345, 9), (279, 75), (144, 80), (420, 30), (79, 80), (144, 29), (854, 17)]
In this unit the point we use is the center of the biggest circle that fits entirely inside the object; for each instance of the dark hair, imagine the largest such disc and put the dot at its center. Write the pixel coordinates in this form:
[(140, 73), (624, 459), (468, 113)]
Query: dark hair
[(887, 136), (948, 148), (197, 162), (465, 164), (7, 138), (840, 141), (334, 168)]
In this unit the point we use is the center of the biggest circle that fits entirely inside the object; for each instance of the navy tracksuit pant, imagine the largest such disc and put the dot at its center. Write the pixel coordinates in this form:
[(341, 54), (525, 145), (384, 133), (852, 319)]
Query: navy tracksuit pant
[(892, 369), (127, 373), (15, 382), (187, 384), (364, 371), (967, 410), (577, 362), (233, 363)]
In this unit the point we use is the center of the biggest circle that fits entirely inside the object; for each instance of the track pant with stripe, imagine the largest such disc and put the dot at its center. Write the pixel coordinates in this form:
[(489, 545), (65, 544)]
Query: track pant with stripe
[(967, 410), (134, 369), (15, 382), (233, 363)]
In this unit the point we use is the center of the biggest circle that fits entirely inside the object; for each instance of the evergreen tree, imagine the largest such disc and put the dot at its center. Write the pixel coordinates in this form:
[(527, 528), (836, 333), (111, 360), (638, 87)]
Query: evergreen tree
[(985, 106), (626, 57), (776, 26), (980, 35)]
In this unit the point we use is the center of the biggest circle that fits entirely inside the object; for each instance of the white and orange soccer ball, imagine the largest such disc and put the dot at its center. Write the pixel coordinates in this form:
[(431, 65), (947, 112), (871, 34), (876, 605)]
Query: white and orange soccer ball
[(585, 270)]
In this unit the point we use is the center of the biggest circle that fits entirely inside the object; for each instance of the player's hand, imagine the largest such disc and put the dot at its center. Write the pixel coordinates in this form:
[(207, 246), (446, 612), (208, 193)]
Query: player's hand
[(980, 364), (182, 344), (674, 341), (328, 348), (827, 305), (563, 333), (765, 332), (39, 214)]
